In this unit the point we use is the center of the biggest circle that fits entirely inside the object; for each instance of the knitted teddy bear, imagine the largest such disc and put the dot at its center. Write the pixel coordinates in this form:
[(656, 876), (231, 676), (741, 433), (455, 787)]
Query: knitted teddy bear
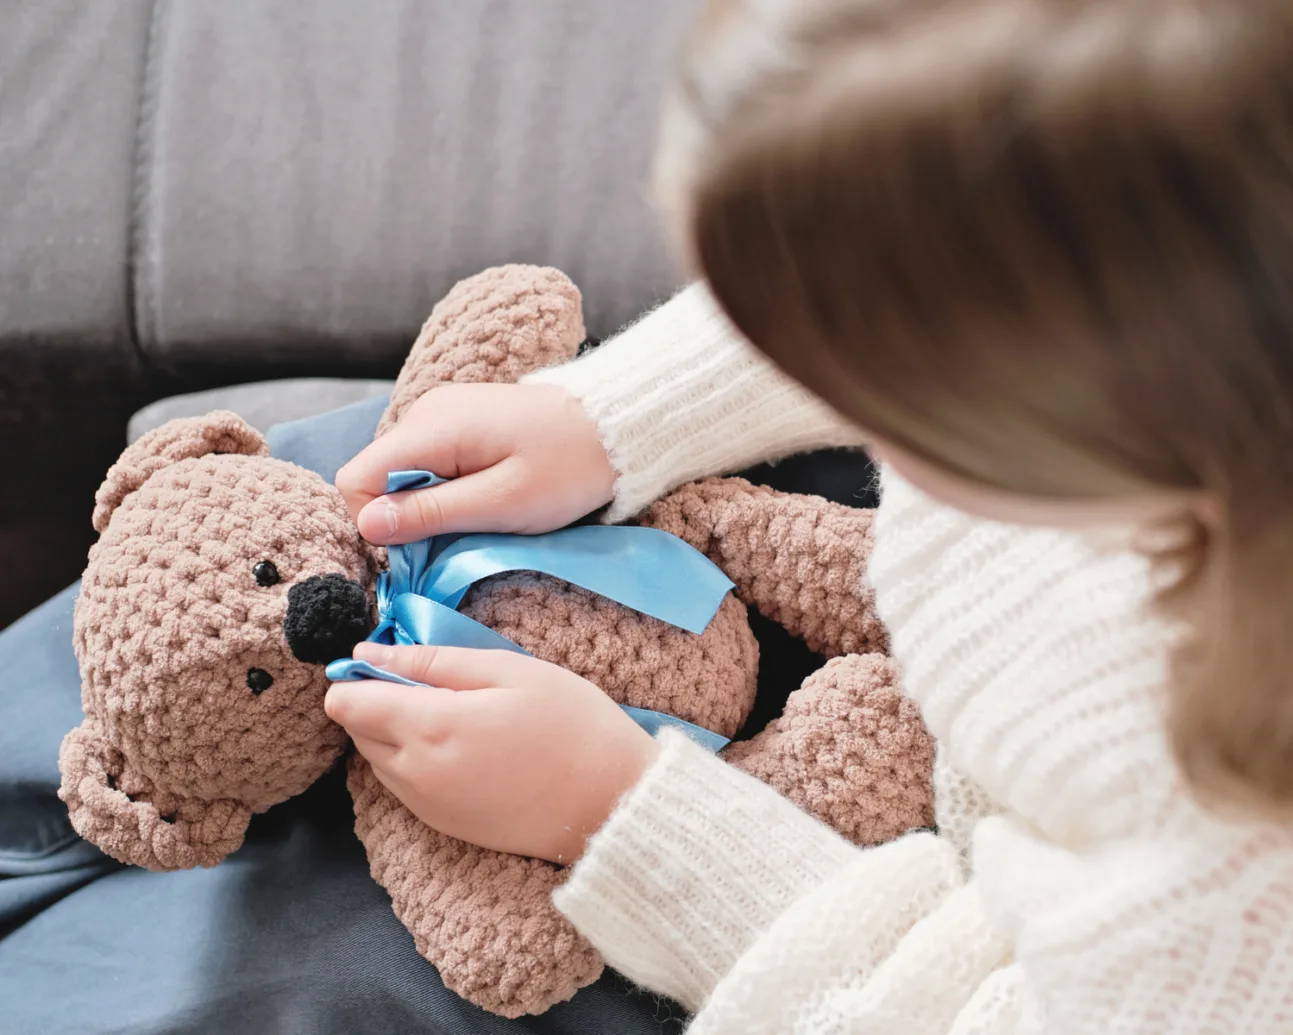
[(224, 580)]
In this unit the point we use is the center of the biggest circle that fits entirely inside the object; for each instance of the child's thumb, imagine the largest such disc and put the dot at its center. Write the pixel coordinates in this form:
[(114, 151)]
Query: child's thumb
[(481, 502)]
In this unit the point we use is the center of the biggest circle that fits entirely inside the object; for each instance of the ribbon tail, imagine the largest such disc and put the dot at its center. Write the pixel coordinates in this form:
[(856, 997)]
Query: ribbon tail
[(654, 722), (348, 670), (645, 569)]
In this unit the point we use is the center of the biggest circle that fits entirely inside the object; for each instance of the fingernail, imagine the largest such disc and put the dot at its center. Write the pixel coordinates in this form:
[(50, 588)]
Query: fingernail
[(392, 515), (374, 653)]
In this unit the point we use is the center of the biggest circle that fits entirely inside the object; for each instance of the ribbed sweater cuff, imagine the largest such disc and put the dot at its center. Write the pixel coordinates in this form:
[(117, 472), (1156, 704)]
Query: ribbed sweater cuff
[(697, 860), (680, 395)]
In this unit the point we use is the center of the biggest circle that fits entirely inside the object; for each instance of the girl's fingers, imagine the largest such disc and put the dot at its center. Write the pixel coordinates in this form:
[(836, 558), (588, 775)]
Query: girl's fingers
[(363, 479), (454, 668), (481, 502), (378, 754), (412, 445), (393, 783), (380, 711)]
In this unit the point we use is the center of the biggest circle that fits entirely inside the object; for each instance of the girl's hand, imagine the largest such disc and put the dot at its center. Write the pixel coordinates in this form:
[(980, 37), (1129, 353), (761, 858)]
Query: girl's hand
[(524, 458), (499, 749)]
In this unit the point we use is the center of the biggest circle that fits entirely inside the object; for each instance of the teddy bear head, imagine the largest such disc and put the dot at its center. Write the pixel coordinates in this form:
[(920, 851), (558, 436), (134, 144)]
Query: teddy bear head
[(222, 583)]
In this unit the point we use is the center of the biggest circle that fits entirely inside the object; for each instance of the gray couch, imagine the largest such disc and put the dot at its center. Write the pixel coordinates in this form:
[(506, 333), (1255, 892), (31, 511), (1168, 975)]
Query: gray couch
[(198, 193)]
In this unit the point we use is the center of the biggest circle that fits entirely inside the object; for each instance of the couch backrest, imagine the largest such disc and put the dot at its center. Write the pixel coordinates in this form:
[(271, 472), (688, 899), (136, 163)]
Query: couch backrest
[(186, 176)]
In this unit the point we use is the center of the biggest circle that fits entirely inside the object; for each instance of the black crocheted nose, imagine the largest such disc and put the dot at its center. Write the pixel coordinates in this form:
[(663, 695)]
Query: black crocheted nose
[(326, 616)]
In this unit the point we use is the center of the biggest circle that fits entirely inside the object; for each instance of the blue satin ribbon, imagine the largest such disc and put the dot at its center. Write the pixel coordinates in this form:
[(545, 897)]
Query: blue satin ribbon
[(644, 569)]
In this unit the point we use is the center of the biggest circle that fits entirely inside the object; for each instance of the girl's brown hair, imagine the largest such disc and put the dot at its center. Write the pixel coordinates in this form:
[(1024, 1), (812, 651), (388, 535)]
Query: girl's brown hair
[(1048, 246)]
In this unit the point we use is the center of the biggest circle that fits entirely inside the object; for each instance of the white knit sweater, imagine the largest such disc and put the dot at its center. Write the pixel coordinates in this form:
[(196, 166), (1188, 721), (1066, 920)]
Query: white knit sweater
[(1074, 887)]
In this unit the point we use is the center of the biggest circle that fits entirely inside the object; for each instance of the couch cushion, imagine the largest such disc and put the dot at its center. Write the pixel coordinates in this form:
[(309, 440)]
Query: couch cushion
[(262, 404), (70, 75), (326, 171), (244, 180)]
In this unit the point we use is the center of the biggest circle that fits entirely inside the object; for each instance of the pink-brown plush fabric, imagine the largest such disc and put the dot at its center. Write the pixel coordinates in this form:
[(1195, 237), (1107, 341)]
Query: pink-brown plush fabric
[(799, 559), (178, 627), (215, 434), (849, 749), (493, 327), (169, 622)]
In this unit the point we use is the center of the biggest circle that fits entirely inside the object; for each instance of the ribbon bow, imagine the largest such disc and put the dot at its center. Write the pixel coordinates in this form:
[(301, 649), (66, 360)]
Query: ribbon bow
[(642, 568)]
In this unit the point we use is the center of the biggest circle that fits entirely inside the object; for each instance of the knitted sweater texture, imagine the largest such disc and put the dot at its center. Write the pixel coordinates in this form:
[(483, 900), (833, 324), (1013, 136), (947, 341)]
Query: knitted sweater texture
[(1074, 886)]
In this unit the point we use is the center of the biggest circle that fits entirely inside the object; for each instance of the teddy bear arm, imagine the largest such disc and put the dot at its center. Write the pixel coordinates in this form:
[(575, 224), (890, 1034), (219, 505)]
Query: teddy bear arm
[(125, 815), (493, 327), (851, 749), (799, 560)]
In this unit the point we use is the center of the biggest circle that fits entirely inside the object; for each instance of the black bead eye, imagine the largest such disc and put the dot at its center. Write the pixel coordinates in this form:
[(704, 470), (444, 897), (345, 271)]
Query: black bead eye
[(258, 680), (266, 574)]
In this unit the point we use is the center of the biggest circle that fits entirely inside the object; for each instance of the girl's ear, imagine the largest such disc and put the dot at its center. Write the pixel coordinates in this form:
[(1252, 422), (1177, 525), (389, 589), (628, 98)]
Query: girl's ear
[(181, 439), (126, 816), (800, 560)]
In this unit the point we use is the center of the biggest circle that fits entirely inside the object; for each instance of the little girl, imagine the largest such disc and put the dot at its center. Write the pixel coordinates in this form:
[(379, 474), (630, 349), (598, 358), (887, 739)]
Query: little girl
[(1039, 256)]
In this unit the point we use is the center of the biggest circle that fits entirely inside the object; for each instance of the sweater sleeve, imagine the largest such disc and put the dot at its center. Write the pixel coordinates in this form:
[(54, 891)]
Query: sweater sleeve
[(709, 888), (679, 395), (705, 884)]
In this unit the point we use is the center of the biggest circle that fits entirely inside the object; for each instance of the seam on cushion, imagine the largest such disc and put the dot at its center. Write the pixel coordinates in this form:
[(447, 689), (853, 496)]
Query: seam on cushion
[(140, 267)]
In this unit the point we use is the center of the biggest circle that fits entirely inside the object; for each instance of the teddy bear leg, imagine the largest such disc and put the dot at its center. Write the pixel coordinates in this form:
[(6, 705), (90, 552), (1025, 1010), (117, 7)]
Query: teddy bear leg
[(493, 327), (851, 750), (485, 920)]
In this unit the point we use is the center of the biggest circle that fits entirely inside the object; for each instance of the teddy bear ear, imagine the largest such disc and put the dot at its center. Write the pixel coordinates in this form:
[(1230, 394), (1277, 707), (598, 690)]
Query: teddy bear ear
[(180, 439), (124, 816)]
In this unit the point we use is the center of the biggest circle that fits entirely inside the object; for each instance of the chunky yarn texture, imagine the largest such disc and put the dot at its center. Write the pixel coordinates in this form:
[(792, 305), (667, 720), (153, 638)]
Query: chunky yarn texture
[(224, 579)]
